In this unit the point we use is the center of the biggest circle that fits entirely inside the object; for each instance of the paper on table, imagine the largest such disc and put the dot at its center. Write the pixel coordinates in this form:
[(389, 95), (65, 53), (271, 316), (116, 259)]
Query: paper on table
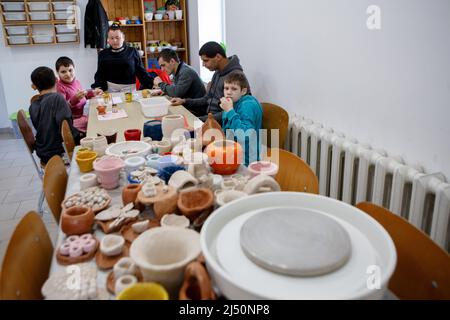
[(112, 116), (117, 100)]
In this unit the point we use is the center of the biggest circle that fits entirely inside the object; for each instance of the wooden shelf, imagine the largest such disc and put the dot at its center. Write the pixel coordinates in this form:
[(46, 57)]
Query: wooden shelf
[(161, 21), (171, 31), (30, 23), (131, 25)]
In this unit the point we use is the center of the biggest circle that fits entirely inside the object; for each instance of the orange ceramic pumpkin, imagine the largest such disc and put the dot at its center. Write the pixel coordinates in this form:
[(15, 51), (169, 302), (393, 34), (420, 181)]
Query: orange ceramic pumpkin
[(225, 156)]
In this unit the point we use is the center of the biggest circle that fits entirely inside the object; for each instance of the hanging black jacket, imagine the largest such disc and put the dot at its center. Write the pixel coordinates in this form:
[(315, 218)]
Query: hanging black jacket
[(95, 25)]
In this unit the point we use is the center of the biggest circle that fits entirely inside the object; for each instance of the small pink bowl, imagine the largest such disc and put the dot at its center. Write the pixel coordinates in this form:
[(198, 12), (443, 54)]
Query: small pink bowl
[(263, 167)]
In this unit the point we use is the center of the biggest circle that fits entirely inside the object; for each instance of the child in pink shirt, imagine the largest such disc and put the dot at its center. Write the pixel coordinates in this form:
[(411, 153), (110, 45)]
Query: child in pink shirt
[(72, 91)]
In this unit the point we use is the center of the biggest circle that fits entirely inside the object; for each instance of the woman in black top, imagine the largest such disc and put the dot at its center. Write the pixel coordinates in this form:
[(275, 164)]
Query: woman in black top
[(119, 65)]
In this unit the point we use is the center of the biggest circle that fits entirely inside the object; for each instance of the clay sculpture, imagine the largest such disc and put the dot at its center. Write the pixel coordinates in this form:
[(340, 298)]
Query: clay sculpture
[(76, 249), (261, 183), (194, 201)]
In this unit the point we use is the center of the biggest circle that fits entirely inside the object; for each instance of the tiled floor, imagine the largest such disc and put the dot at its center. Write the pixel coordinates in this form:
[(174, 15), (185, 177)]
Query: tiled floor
[(20, 188)]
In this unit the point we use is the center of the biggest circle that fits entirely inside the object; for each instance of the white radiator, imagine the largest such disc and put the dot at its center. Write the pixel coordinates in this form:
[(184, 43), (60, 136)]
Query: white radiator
[(354, 172)]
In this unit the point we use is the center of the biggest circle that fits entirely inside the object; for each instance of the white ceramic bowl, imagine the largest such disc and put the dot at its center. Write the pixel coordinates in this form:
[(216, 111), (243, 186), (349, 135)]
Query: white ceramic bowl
[(128, 149), (162, 253), (238, 278)]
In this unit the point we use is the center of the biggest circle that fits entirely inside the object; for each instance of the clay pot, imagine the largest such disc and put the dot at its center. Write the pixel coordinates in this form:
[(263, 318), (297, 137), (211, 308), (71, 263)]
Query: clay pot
[(85, 160), (108, 171), (197, 283), (87, 143), (130, 192), (132, 135), (170, 123), (211, 131), (109, 134), (101, 109), (224, 156), (162, 254), (77, 220), (192, 203)]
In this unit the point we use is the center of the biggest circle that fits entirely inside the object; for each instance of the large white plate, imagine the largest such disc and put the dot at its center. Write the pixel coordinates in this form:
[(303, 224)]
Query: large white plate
[(340, 284), (237, 281)]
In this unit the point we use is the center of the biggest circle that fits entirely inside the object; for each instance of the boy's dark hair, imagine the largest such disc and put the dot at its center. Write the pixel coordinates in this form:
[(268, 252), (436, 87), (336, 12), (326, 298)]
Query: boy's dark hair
[(238, 78), (63, 62), (211, 49), (167, 54), (43, 78), (115, 26)]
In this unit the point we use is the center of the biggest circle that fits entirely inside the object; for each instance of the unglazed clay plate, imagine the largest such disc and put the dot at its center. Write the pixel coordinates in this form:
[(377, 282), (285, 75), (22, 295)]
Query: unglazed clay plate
[(296, 242), (340, 284)]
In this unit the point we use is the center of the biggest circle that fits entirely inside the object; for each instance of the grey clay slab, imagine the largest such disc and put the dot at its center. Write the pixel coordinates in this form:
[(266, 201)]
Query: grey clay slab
[(295, 242)]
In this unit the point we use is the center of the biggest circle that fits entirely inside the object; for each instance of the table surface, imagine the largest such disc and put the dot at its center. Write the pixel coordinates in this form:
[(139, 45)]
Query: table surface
[(135, 119)]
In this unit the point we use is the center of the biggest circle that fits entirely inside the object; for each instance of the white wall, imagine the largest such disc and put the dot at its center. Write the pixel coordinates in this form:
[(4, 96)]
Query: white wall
[(17, 63), (390, 87)]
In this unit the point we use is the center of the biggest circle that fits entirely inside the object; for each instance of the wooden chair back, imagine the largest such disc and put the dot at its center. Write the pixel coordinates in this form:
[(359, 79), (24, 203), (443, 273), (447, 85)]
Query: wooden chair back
[(27, 260), (423, 268), (293, 173), (68, 141), (25, 130), (275, 117), (54, 185)]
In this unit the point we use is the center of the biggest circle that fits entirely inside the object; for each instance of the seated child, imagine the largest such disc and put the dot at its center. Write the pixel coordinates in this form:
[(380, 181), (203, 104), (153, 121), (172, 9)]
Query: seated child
[(72, 91), (242, 116), (47, 113)]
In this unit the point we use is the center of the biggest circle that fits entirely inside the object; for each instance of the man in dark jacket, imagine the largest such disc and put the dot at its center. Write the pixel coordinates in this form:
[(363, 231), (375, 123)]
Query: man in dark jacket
[(95, 25), (214, 58), (186, 82)]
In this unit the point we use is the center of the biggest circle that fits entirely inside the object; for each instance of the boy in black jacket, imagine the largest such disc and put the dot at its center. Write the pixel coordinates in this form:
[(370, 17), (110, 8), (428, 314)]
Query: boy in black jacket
[(47, 114)]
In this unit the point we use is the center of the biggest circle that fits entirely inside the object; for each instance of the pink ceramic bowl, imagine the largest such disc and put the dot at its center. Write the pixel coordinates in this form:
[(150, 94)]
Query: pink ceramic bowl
[(263, 167), (108, 171)]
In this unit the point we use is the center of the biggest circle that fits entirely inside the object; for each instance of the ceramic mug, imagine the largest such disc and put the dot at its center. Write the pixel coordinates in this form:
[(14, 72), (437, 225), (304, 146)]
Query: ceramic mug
[(132, 135)]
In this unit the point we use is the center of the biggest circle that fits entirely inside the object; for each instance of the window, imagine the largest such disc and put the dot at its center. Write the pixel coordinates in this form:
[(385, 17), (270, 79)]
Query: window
[(211, 27)]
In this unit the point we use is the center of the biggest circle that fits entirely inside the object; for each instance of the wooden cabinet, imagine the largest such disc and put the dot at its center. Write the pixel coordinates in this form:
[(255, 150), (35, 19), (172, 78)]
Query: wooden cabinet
[(151, 34), (38, 22)]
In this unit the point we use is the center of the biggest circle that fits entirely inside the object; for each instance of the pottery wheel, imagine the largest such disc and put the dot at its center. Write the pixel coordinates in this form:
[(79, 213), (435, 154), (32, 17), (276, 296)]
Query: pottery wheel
[(295, 242)]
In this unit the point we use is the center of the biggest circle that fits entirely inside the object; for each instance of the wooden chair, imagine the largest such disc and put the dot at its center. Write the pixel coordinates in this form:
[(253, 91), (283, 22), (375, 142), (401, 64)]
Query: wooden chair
[(27, 260), (68, 141), (28, 137), (423, 268), (293, 173), (275, 117), (55, 183)]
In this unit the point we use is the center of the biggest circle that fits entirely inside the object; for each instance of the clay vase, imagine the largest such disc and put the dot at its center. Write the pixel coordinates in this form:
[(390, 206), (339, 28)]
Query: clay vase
[(211, 131), (100, 144), (197, 284), (77, 220), (224, 156), (192, 203), (170, 123), (108, 171), (130, 192)]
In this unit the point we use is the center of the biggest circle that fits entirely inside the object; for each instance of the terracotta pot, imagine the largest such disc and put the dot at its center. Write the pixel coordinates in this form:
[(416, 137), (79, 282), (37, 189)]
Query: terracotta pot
[(224, 156), (101, 109), (132, 134), (211, 131), (77, 220), (129, 193), (197, 283), (192, 203)]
